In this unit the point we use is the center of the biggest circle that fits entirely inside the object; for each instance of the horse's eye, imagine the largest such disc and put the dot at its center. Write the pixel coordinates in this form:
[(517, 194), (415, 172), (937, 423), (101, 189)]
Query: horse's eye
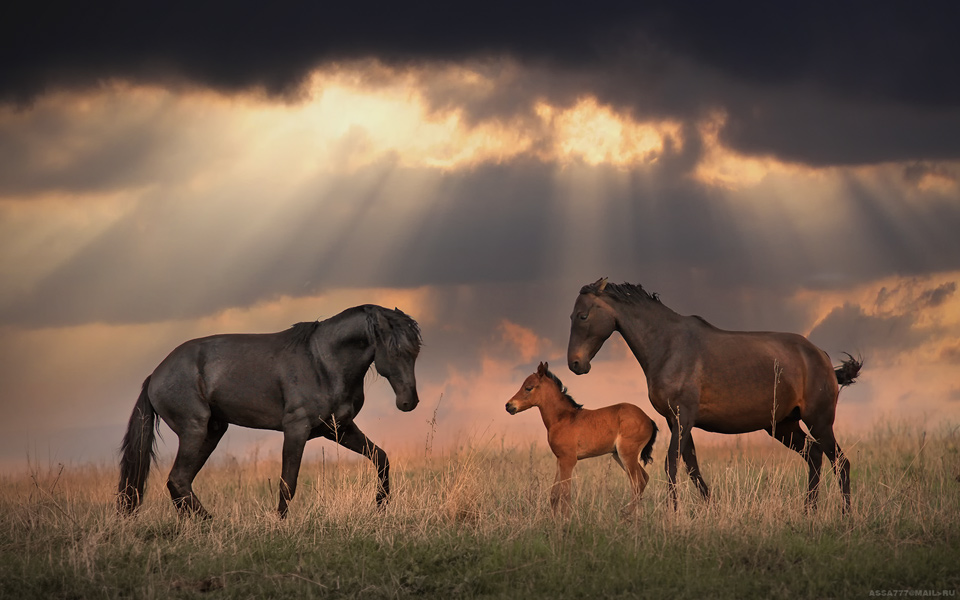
[(528, 389), (583, 316)]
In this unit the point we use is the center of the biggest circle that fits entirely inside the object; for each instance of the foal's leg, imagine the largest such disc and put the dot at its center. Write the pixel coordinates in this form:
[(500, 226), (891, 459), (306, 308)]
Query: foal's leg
[(792, 436), (197, 442), (350, 437), (295, 436), (560, 492), (635, 473)]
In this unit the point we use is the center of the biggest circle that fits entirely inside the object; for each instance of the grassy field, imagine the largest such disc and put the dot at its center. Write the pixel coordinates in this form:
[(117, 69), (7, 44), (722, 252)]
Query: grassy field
[(475, 522)]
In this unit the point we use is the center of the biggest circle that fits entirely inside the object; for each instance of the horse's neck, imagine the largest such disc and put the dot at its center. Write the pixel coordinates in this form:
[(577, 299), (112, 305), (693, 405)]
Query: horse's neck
[(554, 409), (647, 327), (345, 341)]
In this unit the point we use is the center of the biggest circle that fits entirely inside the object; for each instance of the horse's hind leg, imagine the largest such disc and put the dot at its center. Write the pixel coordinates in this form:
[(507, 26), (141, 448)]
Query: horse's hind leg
[(196, 445), (792, 436), (841, 466)]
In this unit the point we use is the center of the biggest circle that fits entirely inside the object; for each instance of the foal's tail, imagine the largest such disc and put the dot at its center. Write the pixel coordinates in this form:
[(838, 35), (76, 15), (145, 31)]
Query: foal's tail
[(645, 454), (848, 370), (137, 451)]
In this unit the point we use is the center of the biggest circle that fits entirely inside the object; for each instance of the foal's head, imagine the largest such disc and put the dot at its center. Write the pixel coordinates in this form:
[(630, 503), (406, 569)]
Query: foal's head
[(540, 387)]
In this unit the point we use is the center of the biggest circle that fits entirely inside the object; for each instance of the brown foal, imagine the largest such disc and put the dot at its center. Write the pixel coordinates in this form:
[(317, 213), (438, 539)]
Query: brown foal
[(574, 432)]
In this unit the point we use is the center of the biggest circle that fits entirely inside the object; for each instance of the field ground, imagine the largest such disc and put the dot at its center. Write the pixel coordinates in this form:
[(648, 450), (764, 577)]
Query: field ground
[(475, 522)]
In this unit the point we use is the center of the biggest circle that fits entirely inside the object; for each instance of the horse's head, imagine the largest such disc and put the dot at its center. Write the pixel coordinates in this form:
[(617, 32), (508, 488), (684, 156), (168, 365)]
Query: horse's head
[(592, 322), (397, 346), (528, 394)]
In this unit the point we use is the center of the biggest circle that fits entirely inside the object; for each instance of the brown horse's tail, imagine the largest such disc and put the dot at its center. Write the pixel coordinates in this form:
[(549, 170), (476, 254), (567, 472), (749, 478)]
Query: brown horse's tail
[(645, 454), (137, 451), (848, 370)]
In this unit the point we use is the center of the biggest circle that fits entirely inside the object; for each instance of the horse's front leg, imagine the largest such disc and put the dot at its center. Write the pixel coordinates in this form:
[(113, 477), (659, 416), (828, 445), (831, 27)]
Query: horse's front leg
[(689, 453), (681, 420), (673, 456), (560, 492), (350, 437), (295, 436)]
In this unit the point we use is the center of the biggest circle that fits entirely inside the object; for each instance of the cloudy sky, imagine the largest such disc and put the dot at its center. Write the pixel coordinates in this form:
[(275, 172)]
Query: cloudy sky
[(169, 170)]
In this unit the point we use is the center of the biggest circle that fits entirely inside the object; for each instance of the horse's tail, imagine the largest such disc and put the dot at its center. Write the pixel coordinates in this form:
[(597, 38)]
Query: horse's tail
[(848, 370), (137, 451), (645, 454)]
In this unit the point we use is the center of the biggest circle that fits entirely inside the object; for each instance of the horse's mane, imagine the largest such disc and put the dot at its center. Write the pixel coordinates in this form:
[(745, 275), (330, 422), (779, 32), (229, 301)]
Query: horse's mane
[(704, 321), (300, 333), (628, 293), (402, 333), (563, 390)]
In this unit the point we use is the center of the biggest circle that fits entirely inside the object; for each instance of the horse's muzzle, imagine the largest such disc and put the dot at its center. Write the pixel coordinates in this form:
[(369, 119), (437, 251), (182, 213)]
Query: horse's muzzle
[(578, 367), (408, 402), (511, 408)]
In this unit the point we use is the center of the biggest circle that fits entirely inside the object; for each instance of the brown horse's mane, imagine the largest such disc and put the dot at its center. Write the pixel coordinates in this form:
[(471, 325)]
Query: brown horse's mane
[(627, 293), (563, 390)]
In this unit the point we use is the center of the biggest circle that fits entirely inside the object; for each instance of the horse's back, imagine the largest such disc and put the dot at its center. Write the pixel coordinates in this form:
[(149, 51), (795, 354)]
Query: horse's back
[(238, 377), (747, 379)]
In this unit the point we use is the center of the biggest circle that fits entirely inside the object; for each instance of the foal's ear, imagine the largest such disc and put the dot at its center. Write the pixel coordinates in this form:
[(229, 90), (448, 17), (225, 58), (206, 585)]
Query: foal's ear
[(542, 369), (601, 284)]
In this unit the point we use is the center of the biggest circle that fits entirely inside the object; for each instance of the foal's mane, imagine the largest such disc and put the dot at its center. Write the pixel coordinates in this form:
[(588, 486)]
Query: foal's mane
[(563, 390), (402, 333), (627, 293)]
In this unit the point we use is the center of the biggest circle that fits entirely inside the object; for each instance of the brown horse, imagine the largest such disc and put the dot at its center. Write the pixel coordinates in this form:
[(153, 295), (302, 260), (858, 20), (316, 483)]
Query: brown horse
[(721, 381), (574, 432)]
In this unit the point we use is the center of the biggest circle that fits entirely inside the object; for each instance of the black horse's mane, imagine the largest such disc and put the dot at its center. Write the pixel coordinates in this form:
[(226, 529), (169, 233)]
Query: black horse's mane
[(402, 333), (628, 293), (563, 390), (300, 333)]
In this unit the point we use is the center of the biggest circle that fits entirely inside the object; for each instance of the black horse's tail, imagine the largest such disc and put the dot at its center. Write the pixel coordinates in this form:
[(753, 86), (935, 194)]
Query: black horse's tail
[(137, 452), (848, 370), (645, 454)]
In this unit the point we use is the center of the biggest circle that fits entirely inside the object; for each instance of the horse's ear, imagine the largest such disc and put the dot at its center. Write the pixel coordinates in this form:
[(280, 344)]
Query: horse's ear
[(601, 284), (542, 369)]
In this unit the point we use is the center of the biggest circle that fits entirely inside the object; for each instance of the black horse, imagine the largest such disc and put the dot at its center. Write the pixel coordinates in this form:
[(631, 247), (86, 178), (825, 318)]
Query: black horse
[(306, 381)]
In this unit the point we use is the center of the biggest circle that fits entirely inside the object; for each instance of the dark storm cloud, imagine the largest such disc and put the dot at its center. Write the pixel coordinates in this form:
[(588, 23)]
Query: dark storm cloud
[(938, 295), (831, 83), (879, 337), (904, 299), (893, 328)]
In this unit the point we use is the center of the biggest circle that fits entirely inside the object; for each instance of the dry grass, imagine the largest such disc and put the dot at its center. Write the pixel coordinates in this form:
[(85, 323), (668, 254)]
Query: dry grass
[(475, 521)]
